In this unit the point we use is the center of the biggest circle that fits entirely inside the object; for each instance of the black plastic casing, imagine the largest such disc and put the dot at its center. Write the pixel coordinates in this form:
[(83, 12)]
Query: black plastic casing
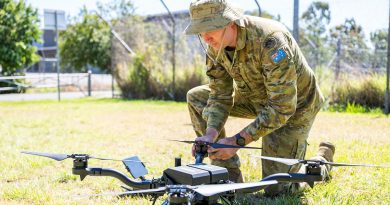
[(196, 174)]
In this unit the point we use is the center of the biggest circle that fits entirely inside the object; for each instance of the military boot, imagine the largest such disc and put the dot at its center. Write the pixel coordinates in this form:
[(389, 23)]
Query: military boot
[(326, 150), (235, 175)]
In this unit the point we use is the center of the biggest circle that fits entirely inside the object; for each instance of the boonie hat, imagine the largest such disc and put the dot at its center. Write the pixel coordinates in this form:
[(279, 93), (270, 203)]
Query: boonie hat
[(208, 15)]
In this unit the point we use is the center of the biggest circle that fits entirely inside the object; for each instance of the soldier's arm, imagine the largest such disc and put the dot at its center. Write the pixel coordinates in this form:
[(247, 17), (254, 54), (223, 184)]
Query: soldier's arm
[(220, 99), (280, 79)]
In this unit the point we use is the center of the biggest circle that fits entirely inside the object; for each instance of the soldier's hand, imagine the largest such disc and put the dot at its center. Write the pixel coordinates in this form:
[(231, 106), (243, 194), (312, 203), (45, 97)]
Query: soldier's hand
[(224, 153), (210, 136), (205, 138)]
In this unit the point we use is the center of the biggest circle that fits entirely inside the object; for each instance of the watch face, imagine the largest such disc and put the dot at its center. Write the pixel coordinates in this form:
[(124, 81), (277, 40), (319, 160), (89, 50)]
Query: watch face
[(240, 141)]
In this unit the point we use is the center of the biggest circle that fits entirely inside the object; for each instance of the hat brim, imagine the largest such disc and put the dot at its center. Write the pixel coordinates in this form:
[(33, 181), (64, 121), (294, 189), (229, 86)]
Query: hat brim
[(205, 25), (197, 26)]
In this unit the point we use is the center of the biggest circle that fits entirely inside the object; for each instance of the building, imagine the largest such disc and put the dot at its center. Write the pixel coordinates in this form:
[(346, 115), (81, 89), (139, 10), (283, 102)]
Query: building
[(47, 50)]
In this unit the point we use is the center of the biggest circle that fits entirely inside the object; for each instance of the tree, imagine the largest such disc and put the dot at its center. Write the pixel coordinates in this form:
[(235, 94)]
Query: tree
[(314, 36), (86, 43), (379, 41), (354, 50), (19, 29), (264, 14), (116, 9)]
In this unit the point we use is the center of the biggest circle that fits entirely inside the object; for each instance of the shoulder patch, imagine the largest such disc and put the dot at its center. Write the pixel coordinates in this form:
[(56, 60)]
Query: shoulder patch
[(269, 43), (278, 55)]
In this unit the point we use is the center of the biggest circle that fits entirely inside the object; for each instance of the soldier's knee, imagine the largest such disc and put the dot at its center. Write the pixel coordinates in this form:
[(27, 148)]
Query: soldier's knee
[(190, 95), (196, 94)]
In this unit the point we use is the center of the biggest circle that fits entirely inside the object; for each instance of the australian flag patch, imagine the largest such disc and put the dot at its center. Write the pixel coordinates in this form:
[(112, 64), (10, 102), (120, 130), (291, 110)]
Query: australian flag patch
[(279, 55)]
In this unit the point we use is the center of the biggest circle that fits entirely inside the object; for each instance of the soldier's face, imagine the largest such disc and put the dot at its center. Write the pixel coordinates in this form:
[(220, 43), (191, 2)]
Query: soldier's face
[(213, 38), (224, 37)]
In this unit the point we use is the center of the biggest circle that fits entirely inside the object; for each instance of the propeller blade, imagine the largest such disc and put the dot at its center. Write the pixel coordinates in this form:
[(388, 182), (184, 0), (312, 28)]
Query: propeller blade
[(104, 159), (285, 161), (184, 141), (355, 165), (291, 162), (110, 159), (58, 157), (213, 189), (216, 145), (159, 190)]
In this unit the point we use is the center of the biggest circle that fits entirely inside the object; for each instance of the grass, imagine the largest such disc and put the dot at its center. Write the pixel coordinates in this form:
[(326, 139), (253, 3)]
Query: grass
[(354, 108), (118, 128)]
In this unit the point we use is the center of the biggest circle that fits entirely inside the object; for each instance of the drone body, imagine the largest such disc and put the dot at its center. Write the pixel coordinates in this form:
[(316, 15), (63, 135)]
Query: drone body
[(197, 183), (196, 174), (189, 184)]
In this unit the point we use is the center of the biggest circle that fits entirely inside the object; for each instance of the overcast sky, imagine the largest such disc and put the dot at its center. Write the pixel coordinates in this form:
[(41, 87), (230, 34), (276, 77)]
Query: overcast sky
[(371, 14)]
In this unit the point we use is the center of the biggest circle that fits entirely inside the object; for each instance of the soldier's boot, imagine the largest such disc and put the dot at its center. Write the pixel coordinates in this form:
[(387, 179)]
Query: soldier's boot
[(326, 150), (235, 175)]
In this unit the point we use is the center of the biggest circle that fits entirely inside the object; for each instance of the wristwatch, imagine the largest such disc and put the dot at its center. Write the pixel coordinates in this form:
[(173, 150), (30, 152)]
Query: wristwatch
[(240, 141)]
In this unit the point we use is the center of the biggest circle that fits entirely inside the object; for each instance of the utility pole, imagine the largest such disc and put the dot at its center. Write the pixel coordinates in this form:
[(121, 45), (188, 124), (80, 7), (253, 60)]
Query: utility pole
[(173, 48), (296, 21), (388, 68), (258, 6)]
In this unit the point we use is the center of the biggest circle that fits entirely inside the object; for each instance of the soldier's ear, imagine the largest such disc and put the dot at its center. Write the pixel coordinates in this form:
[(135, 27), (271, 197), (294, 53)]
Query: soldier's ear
[(232, 25)]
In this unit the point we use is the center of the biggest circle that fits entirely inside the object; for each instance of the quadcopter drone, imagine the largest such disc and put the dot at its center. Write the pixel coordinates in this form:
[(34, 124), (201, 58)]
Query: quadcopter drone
[(197, 183)]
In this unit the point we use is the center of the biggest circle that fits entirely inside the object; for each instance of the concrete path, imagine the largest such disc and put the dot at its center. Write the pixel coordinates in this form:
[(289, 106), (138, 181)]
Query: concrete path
[(52, 96)]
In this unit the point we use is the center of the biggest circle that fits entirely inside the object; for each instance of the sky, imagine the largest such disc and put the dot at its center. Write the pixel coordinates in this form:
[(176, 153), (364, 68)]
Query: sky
[(371, 14)]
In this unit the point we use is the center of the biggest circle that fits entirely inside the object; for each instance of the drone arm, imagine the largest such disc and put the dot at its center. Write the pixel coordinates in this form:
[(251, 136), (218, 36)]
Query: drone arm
[(294, 177), (83, 172)]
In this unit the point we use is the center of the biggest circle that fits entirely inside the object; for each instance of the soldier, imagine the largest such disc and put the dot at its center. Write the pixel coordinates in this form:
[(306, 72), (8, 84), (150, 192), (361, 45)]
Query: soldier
[(256, 70)]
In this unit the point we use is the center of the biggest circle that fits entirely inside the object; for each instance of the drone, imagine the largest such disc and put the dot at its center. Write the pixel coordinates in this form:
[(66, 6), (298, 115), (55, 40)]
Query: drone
[(192, 184)]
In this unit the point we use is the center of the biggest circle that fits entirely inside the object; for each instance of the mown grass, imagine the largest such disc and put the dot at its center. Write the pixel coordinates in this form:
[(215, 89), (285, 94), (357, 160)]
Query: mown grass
[(118, 128)]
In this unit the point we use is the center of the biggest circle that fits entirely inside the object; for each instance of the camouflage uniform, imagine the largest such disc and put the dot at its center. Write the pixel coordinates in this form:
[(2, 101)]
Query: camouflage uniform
[(267, 79)]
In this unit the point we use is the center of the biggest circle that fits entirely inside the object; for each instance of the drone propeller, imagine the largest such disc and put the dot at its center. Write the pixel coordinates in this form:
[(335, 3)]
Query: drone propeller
[(291, 162), (286, 161), (204, 190), (213, 189), (355, 165), (215, 145), (60, 157)]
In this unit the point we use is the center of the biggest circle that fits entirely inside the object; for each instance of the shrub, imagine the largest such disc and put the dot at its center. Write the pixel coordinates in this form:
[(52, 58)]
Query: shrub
[(368, 92)]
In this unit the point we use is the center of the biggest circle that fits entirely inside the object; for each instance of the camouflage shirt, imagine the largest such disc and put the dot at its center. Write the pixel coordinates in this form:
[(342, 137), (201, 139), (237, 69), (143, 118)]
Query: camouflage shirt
[(270, 71)]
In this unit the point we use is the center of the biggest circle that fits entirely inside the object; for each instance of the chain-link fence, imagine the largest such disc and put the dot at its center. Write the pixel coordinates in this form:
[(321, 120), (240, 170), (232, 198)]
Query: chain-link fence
[(350, 66), (155, 70)]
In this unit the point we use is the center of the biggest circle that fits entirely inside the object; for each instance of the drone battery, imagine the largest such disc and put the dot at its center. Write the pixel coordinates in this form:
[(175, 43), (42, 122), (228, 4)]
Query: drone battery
[(187, 175), (216, 173)]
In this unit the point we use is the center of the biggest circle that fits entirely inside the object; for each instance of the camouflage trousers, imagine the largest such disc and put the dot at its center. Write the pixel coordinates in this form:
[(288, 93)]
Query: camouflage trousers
[(289, 141)]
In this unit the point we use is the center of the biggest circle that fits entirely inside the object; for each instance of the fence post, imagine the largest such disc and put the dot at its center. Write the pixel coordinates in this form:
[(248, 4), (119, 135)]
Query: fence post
[(89, 82), (173, 48), (296, 21), (338, 60), (258, 6)]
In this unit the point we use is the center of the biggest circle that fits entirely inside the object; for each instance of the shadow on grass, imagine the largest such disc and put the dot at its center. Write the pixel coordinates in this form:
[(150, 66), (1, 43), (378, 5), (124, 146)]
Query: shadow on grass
[(260, 199)]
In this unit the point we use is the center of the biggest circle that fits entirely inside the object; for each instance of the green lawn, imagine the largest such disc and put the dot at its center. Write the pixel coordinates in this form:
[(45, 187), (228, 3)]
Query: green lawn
[(117, 129)]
